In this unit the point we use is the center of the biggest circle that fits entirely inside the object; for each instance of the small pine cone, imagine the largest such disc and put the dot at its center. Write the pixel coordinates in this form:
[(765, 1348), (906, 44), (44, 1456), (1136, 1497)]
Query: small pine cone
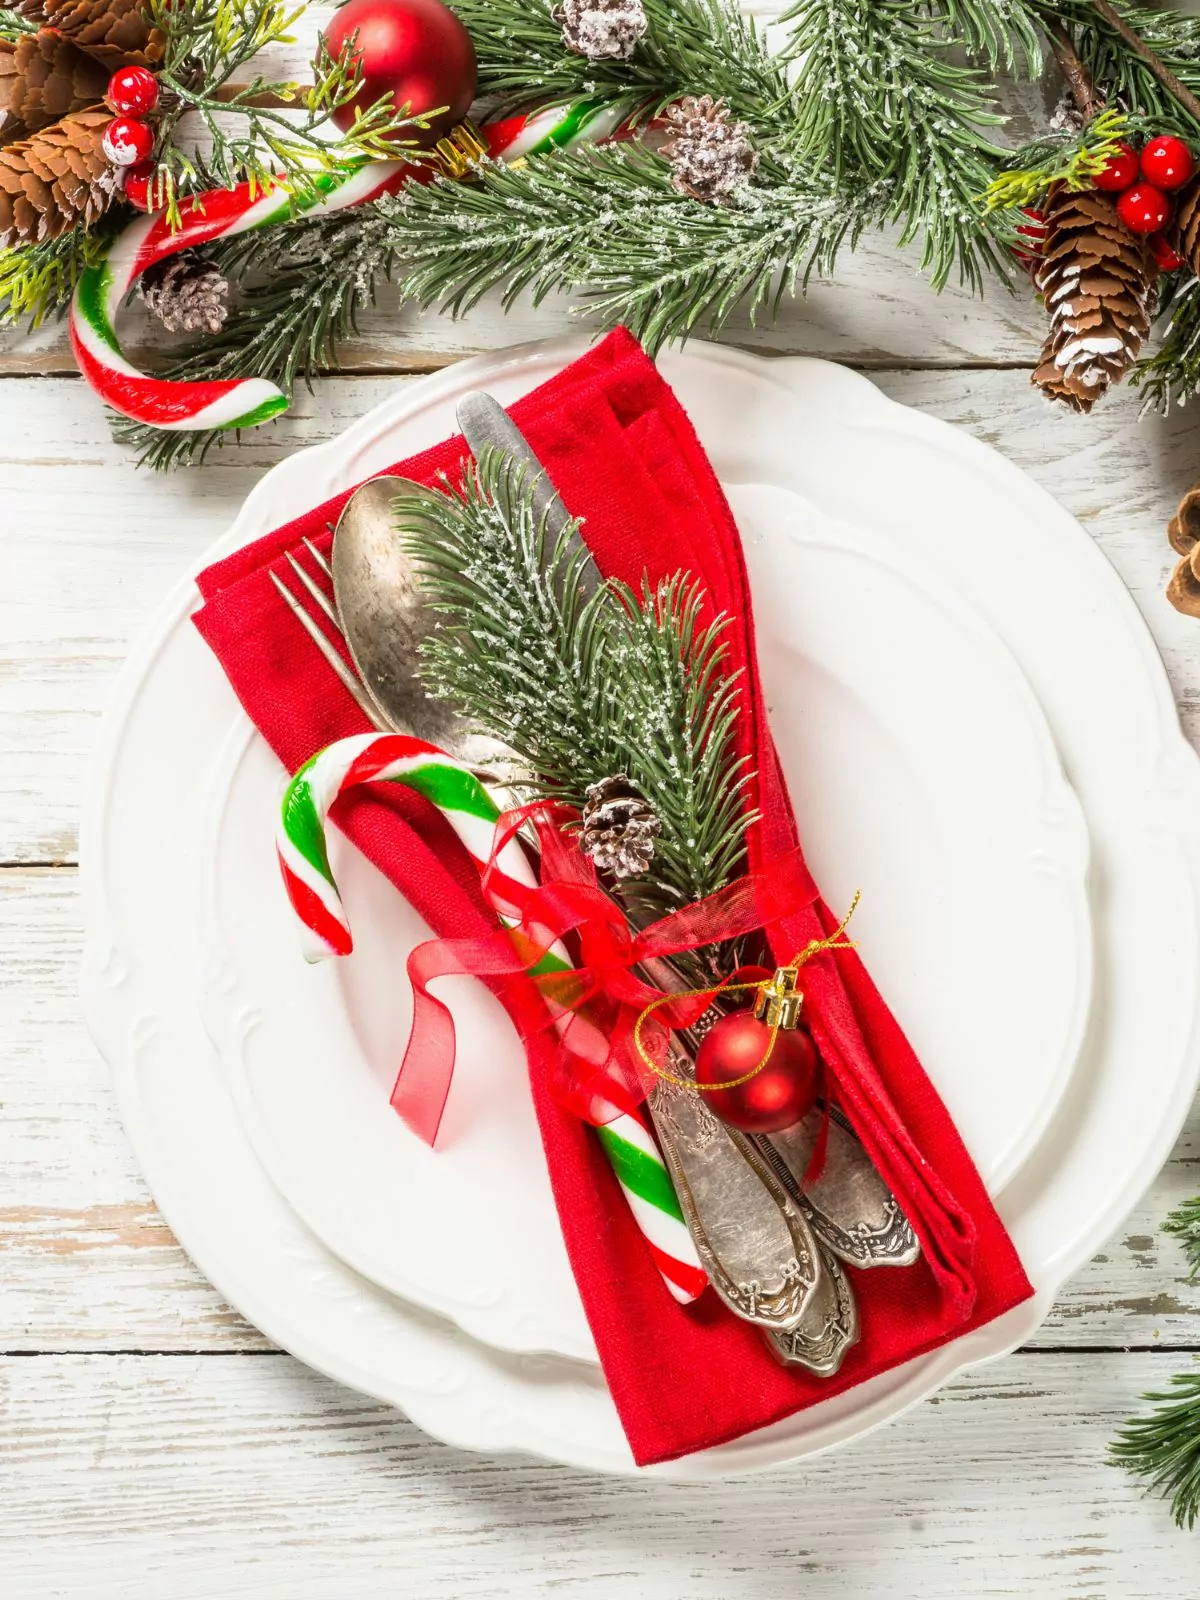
[(711, 157), (1183, 591), (602, 30), (187, 293), (111, 30), (44, 77), (1098, 283), (58, 177), (619, 828)]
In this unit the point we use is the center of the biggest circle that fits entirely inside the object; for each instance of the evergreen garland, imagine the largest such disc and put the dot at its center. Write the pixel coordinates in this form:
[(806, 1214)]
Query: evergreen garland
[(869, 114)]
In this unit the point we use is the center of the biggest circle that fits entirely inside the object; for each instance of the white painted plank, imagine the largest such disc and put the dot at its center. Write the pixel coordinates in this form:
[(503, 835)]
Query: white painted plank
[(86, 1263), (202, 1479)]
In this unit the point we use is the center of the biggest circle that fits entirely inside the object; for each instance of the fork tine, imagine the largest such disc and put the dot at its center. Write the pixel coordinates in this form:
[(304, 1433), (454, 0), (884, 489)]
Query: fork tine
[(318, 559), (347, 678), (315, 590)]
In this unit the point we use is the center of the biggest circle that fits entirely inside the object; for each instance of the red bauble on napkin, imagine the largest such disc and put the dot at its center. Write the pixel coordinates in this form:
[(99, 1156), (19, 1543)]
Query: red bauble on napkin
[(626, 459)]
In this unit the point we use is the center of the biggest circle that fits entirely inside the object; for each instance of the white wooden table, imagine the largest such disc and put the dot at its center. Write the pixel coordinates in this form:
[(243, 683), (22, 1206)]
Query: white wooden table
[(155, 1447)]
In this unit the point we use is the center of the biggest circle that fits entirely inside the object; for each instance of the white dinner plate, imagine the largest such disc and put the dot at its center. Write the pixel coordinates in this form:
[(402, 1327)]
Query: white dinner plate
[(903, 482), (911, 738)]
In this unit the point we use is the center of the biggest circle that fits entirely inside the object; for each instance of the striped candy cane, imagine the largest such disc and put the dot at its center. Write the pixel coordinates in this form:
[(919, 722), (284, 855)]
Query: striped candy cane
[(179, 407), (472, 813)]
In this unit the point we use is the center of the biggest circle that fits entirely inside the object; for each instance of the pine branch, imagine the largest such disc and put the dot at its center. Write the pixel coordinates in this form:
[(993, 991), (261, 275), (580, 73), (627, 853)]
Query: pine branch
[(1164, 1446), (580, 689), (1172, 373), (1001, 33), (1184, 1224), (1120, 73), (880, 102), (691, 47), (312, 279), (610, 223)]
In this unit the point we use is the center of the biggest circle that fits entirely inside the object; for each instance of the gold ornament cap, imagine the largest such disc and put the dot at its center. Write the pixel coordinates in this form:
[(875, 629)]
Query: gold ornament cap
[(462, 149), (779, 1002)]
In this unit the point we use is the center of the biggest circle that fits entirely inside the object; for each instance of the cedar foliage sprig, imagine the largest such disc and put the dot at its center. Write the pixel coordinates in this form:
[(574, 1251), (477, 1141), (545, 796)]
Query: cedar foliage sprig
[(294, 143), (580, 687), (1071, 158), (37, 280)]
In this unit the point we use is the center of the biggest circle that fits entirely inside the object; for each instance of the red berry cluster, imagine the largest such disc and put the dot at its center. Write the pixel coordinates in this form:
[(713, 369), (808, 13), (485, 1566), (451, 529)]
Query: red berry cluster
[(128, 140), (1144, 183)]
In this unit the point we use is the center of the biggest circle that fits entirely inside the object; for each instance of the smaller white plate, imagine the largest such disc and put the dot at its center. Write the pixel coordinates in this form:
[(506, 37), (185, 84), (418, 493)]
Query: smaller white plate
[(922, 771)]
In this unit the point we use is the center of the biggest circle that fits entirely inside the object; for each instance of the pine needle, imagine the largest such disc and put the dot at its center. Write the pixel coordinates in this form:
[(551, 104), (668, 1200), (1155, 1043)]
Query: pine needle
[(1184, 1224), (1164, 1446)]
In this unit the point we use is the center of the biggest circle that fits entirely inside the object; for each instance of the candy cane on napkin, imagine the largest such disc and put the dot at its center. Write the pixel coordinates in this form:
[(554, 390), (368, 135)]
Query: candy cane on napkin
[(180, 407), (472, 813)]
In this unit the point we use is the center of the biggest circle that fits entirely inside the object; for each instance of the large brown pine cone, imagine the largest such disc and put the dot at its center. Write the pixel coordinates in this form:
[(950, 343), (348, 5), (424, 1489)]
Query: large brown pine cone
[(44, 77), (54, 179), (1185, 230), (1183, 591), (1098, 283), (112, 30)]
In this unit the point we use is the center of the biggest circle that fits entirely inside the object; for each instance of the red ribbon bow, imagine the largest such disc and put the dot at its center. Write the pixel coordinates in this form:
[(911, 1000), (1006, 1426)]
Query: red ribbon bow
[(594, 1004)]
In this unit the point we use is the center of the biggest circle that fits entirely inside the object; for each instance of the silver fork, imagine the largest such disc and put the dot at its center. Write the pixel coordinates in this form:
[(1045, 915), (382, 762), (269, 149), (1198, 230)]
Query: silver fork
[(347, 676)]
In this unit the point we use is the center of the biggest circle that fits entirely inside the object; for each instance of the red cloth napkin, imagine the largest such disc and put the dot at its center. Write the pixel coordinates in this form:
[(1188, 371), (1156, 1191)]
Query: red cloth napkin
[(625, 458)]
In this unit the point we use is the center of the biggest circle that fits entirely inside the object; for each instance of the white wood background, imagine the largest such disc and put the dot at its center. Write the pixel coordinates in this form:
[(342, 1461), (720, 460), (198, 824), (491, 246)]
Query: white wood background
[(155, 1447)]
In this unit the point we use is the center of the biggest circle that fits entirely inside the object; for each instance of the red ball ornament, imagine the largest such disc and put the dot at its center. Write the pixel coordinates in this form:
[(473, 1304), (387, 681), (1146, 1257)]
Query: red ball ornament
[(415, 51), (137, 185), (1165, 253), (132, 91), (127, 142), (1167, 162), (774, 1098), (1144, 209), (1120, 172)]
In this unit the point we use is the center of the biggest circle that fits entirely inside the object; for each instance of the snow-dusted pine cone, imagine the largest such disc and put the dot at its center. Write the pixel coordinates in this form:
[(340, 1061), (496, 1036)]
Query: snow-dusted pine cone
[(601, 30), (187, 294), (619, 828), (1098, 283), (711, 157)]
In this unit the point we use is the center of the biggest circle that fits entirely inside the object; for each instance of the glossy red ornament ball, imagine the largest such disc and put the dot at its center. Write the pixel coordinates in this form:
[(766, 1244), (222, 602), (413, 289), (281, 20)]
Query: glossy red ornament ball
[(132, 91), (1121, 171), (1144, 209), (1165, 253), (1167, 162), (137, 185), (775, 1098), (415, 51), (127, 142)]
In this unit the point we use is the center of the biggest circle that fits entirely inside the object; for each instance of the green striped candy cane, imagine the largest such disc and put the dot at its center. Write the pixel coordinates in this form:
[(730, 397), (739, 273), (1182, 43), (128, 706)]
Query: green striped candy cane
[(472, 813)]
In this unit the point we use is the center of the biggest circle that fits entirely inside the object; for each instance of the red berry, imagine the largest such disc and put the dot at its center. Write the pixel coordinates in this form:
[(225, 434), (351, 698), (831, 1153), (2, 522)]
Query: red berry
[(1144, 209), (1120, 172), (1167, 162), (127, 142), (132, 91), (1165, 253), (137, 186)]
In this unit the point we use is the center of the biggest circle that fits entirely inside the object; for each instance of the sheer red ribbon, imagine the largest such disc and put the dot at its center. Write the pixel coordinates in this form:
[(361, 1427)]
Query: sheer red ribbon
[(594, 1004)]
